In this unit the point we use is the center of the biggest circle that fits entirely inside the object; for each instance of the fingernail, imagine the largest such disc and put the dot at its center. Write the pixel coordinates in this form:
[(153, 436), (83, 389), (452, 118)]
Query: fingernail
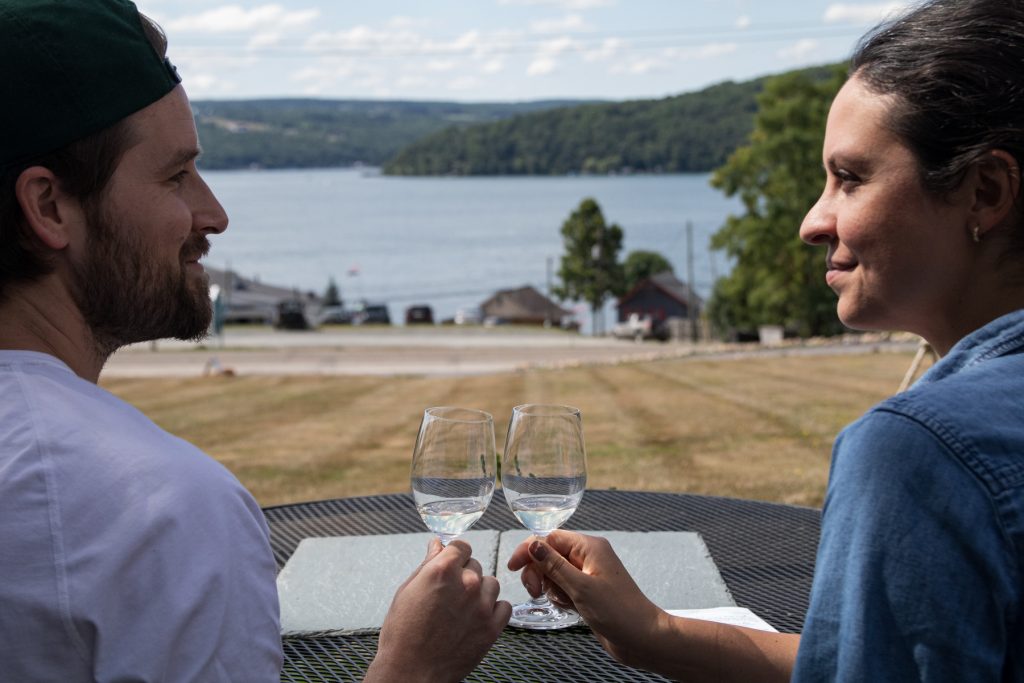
[(538, 551)]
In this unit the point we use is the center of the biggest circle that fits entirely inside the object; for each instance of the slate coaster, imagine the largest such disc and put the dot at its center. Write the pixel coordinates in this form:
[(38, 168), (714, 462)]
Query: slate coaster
[(347, 583), (673, 568)]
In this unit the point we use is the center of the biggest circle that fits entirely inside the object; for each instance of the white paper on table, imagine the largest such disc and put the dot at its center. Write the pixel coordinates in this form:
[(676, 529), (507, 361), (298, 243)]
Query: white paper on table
[(737, 616)]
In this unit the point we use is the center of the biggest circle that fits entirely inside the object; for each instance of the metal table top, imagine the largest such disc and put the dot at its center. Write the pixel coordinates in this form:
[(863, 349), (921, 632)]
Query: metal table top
[(764, 552)]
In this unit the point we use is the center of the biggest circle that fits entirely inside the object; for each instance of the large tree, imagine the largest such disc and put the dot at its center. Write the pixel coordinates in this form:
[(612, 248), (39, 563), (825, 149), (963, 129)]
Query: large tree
[(590, 270), (777, 279), (640, 265)]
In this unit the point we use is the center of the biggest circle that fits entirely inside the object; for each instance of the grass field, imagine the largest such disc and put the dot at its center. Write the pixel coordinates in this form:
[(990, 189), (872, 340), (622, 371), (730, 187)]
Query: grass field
[(757, 428)]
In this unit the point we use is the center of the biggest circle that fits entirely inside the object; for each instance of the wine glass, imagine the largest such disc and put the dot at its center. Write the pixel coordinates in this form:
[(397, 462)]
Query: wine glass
[(453, 469), (543, 474)]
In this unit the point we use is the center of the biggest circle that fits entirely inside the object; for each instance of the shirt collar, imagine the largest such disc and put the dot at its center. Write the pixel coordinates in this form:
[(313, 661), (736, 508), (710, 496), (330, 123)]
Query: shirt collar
[(1000, 337)]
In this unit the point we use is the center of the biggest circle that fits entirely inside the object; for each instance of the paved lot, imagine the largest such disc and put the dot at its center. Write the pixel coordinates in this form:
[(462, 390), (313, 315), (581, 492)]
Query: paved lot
[(420, 351)]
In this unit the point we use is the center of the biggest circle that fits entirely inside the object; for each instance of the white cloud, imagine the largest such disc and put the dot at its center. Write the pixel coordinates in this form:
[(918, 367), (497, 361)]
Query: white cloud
[(407, 23), (190, 60), (564, 4), (802, 49), (410, 81), (264, 40), (712, 50), (557, 46), (609, 49), (326, 71), (862, 14), (236, 19), (492, 66), (568, 23), (541, 66), (403, 43), (639, 67), (206, 84), (439, 65), (464, 83), (743, 22)]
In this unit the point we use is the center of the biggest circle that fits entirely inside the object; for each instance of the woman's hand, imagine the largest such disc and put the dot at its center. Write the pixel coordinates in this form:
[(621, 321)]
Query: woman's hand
[(442, 620), (584, 573)]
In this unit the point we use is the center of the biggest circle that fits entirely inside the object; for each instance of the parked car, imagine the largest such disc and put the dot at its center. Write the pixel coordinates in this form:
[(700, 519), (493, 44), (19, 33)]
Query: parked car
[(291, 315), (468, 316), (334, 315), (371, 314), (641, 327), (420, 314)]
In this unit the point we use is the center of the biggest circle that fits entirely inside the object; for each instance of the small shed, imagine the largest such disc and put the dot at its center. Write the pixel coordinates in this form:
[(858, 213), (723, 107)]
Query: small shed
[(662, 296), (523, 306)]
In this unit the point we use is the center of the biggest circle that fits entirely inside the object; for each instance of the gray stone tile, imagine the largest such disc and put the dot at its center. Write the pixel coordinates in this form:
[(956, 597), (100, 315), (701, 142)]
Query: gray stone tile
[(673, 568), (346, 583)]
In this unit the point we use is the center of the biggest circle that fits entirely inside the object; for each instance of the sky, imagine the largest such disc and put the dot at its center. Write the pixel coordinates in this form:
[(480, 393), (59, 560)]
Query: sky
[(498, 50)]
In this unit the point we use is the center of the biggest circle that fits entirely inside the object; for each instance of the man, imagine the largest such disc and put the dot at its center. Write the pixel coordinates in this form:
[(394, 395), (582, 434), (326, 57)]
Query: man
[(125, 553)]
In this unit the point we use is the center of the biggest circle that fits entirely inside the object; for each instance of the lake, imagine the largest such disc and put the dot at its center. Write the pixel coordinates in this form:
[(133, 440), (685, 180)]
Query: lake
[(447, 242)]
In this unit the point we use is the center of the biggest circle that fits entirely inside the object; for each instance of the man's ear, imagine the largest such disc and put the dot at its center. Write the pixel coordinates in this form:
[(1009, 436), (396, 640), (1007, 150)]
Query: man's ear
[(50, 213), (997, 186)]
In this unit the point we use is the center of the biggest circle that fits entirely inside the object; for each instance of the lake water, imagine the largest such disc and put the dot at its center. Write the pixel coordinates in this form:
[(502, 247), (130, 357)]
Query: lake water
[(447, 242)]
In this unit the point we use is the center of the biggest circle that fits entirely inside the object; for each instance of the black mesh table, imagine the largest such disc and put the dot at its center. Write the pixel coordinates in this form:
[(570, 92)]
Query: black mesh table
[(764, 551)]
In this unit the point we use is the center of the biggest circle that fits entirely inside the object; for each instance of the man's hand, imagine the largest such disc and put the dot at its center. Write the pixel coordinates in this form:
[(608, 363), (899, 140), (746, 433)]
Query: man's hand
[(442, 621), (584, 573)]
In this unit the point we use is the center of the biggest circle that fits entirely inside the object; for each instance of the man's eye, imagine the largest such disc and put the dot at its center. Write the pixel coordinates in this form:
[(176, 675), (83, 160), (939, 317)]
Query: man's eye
[(179, 176)]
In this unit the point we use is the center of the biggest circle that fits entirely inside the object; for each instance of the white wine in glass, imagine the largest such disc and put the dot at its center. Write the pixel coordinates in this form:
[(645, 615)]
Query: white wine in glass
[(453, 466), (543, 475)]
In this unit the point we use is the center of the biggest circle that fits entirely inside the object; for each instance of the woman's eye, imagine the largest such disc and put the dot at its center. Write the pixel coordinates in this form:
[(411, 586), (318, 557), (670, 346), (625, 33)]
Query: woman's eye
[(846, 178)]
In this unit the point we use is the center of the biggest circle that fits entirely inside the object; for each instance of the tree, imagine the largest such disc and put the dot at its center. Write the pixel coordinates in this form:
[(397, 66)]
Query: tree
[(777, 279), (640, 265), (332, 297), (590, 270)]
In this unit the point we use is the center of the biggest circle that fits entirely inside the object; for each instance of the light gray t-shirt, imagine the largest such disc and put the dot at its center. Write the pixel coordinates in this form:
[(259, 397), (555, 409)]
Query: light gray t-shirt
[(125, 553)]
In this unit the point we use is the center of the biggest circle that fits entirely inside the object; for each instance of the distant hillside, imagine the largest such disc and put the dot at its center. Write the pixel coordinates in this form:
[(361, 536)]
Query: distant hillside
[(694, 132), (302, 133)]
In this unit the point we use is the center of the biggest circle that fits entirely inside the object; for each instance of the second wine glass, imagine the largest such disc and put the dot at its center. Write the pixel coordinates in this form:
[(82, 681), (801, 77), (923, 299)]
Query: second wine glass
[(543, 475), (453, 469)]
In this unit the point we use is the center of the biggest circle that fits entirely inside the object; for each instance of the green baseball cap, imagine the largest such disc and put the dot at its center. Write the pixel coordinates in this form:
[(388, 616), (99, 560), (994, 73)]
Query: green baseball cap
[(70, 68)]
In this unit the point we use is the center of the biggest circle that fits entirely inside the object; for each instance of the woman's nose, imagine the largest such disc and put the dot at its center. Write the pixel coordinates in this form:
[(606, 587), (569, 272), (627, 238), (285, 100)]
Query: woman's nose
[(818, 226)]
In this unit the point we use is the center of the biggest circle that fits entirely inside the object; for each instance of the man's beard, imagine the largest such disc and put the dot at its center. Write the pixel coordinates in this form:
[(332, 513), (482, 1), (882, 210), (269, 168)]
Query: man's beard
[(126, 296)]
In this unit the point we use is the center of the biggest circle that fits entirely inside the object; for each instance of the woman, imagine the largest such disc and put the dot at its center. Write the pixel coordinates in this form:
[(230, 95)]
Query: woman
[(920, 571)]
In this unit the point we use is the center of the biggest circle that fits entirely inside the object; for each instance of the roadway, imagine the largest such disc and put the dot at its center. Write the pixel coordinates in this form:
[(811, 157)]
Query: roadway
[(431, 351)]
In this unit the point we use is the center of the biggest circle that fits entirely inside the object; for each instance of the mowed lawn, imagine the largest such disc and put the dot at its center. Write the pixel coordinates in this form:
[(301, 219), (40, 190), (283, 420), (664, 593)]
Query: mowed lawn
[(758, 428)]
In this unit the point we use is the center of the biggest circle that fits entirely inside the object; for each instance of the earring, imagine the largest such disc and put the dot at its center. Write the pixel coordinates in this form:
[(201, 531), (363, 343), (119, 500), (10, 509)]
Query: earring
[(976, 233)]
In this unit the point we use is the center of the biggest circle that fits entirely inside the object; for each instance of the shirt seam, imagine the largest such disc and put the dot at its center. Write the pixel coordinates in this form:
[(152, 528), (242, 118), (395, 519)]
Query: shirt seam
[(53, 519), (962, 454)]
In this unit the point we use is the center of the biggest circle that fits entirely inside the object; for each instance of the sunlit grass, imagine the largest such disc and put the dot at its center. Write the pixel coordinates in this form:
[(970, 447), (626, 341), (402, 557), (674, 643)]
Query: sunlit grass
[(757, 428)]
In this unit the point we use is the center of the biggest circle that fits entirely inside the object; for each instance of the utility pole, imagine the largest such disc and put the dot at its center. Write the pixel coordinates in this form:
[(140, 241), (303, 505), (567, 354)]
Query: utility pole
[(690, 299), (550, 265)]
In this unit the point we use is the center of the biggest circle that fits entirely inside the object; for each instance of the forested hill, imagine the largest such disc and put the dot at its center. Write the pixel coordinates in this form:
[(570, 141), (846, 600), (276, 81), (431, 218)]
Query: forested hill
[(690, 132), (694, 132), (304, 133)]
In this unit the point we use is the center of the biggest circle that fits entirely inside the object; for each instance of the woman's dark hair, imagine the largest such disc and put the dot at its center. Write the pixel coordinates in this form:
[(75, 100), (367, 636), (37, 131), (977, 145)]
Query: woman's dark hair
[(84, 169), (956, 68)]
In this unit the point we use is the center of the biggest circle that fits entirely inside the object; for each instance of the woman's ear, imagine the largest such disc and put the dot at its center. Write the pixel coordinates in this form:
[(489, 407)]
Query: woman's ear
[(49, 212), (997, 186)]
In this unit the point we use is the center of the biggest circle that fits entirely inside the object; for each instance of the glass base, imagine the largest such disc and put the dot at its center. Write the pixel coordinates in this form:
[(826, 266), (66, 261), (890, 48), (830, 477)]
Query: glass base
[(542, 615)]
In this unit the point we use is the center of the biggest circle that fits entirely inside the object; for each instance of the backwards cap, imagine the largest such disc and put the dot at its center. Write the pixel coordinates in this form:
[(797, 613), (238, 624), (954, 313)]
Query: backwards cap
[(70, 68)]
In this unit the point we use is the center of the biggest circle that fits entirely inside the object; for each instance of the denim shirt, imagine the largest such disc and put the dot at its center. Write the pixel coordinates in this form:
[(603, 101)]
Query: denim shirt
[(919, 570)]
